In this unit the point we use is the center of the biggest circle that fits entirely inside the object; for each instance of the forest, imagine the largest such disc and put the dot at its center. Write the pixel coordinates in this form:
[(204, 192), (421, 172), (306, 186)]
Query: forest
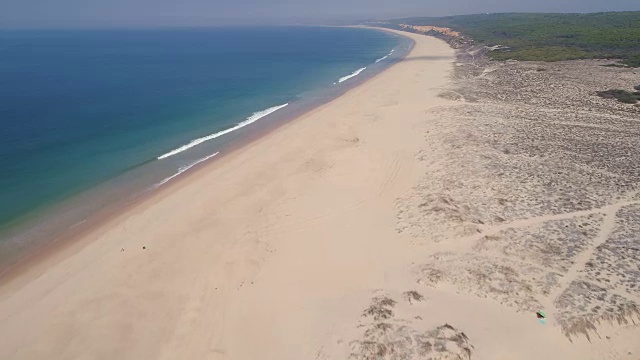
[(548, 37)]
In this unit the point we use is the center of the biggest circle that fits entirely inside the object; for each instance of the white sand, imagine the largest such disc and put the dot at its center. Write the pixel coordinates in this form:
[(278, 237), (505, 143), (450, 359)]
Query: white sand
[(273, 252)]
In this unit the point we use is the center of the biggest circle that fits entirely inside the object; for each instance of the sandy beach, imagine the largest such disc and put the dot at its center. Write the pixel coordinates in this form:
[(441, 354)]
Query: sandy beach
[(353, 232)]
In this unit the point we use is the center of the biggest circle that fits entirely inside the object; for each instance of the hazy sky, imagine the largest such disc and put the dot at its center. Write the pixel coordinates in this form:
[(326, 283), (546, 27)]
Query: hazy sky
[(91, 13)]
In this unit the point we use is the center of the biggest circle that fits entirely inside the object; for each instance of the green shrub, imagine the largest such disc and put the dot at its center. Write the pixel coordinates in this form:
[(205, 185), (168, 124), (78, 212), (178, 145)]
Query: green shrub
[(549, 37), (632, 61), (623, 96), (549, 53)]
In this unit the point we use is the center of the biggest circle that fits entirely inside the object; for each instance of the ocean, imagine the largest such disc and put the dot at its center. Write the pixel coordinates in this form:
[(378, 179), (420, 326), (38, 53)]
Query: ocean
[(90, 118)]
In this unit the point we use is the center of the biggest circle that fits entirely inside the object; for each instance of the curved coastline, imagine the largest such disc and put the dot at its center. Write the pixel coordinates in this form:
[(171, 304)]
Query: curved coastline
[(291, 228), (47, 237)]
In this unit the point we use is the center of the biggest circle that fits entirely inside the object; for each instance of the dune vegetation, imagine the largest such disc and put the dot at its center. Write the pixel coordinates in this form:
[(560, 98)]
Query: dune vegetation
[(547, 37)]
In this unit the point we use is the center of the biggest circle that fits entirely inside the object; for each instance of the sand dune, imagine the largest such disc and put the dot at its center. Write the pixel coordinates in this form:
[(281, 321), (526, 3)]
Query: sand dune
[(334, 237)]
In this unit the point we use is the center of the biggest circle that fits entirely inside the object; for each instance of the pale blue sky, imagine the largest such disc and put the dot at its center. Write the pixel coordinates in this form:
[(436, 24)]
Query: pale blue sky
[(101, 13)]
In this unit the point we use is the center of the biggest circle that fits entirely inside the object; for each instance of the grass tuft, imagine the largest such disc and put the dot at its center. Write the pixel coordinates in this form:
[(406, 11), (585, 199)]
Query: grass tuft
[(412, 296), (621, 95), (380, 308)]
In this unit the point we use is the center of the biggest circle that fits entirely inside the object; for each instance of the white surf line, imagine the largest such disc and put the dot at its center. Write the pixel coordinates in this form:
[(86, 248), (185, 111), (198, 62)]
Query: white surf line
[(382, 58), (78, 224), (386, 56), (353, 74), (250, 120), (185, 168)]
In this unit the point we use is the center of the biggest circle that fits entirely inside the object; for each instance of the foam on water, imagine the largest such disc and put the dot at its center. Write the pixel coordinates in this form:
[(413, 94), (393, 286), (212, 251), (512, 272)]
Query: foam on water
[(251, 119), (384, 57), (353, 74), (185, 168)]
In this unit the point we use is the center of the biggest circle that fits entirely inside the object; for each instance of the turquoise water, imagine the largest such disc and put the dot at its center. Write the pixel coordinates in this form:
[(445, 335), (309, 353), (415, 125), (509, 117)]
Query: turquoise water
[(78, 108)]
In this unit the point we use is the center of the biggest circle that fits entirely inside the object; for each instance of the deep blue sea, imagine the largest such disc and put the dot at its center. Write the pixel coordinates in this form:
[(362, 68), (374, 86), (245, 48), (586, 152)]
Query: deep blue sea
[(81, 108)]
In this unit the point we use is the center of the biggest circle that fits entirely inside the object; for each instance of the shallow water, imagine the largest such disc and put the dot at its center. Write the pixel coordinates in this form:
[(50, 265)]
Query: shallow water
[(122, 112)]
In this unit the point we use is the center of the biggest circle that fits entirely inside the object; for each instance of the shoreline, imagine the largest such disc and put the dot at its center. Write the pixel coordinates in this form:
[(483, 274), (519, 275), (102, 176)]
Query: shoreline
[(66, 237), (286, 249), (433, 212)]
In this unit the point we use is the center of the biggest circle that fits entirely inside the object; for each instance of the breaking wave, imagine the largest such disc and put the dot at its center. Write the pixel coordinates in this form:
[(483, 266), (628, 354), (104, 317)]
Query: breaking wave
[(185, 168), (251, 119), (353, 74), (386, 56)]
